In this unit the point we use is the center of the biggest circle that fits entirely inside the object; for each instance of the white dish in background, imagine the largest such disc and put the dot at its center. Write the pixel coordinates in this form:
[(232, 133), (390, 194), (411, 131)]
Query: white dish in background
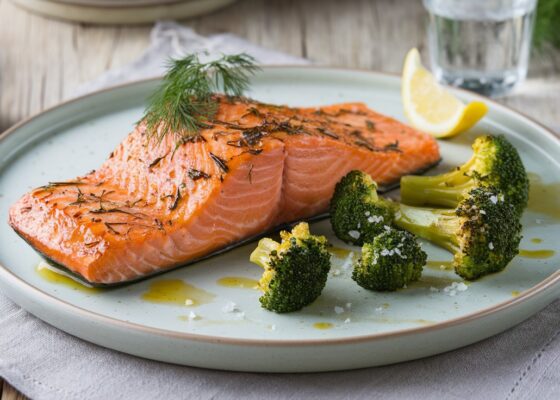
[(121, 11), (383, 328)]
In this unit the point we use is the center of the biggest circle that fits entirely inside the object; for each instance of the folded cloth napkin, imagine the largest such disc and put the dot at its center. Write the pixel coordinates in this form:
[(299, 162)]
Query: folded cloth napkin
[(45, 363)]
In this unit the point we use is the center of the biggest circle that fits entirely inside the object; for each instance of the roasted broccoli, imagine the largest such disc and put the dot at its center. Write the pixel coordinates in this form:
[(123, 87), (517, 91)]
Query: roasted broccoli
[(495, 162), (296, 269), (392, 260), (358, 214), (483, 231)]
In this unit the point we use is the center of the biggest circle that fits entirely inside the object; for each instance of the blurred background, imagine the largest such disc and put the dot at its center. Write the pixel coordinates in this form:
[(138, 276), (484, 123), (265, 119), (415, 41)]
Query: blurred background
[(44, 59)]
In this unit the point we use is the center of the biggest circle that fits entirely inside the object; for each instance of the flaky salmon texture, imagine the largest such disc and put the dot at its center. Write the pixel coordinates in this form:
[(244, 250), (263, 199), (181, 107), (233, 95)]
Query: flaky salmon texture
[(151, 206)]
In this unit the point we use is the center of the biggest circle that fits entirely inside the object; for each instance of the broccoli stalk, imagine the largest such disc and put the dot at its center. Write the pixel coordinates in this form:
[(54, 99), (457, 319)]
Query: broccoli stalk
[(295, 270), (392, 260), (495, 162), (483, 231)]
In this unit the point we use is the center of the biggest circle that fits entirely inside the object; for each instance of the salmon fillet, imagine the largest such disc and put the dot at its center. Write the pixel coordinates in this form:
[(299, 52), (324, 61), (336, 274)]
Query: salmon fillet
[(152, 207)]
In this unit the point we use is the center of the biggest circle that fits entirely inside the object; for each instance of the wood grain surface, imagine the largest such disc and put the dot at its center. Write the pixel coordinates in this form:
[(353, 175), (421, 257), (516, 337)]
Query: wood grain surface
[(42, 61)]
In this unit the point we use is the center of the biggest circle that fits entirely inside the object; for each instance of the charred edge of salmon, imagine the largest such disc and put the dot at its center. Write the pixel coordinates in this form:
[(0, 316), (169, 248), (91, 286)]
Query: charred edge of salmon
[(287, 226), (80, 279)]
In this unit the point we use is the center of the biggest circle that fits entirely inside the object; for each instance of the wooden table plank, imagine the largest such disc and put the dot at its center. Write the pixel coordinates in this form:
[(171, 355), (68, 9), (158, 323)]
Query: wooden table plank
[(8, 392)]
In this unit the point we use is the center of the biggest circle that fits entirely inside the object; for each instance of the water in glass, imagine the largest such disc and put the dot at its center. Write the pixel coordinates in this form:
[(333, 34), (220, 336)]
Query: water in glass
[(480, 45)]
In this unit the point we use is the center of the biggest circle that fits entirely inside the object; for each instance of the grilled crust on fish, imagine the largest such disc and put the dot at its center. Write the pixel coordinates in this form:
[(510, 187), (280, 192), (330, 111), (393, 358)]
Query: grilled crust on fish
[(153, 206)]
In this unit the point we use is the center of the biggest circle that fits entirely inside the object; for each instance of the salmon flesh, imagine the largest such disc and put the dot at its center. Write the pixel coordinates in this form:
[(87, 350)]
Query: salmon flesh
[(154, 206)]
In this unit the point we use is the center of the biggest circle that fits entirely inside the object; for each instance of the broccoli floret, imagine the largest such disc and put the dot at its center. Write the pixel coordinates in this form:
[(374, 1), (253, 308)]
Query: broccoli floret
[(358, 214), (483, 231), (495, 162), (296, 269), (392, 260)]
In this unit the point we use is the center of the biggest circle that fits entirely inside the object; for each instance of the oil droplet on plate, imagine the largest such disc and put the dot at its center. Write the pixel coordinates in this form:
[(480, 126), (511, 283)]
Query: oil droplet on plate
[(339, 252), (322, 325), (540, 254), (238, 282), (544, 198), (536, 240), (47, 273), (515, 293), (176, 291), (440, 265)]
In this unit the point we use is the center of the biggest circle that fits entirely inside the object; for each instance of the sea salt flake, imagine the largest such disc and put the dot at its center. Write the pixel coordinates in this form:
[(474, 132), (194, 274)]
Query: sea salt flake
[(273, 327), (230, 307), (354, 234), (347, 321), (375, 219), (491, 246), (379, 310), (494, 199), (338, 310), (192, 316)]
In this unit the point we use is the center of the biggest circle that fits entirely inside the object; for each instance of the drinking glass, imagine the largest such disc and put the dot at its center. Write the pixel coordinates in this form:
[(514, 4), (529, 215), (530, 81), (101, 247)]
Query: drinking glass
[(480, 45)]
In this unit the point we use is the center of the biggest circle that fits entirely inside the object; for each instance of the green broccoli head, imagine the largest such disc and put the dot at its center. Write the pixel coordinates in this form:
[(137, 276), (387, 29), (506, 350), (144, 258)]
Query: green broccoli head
[(358, 214), (489, 235), (495, 162), (483, 231), (296, 269), (389, 262)]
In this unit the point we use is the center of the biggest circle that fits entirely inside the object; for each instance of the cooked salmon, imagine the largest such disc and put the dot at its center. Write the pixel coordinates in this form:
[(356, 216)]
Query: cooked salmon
[(153, 206)]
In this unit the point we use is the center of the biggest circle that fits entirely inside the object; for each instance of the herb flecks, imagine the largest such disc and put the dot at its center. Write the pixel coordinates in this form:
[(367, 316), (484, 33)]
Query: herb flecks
[(393, 147), (219, 162), (156, 161), (370, 125), (186, 101), (327, 132), (176, 200), (196, 174), (52, 185)]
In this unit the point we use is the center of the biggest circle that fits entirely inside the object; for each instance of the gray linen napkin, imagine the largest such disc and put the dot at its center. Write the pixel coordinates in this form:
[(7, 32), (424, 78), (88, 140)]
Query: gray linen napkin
[(45, 363)]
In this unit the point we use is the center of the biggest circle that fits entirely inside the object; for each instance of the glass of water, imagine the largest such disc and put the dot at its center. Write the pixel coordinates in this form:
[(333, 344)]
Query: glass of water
[(480, 45)]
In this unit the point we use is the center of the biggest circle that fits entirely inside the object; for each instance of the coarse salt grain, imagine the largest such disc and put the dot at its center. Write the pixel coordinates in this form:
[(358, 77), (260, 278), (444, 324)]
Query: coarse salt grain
[(230, 307), (354, 234)]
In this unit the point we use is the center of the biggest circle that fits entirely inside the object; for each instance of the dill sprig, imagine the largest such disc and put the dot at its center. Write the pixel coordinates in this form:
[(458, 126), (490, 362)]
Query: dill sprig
[(185, 101)]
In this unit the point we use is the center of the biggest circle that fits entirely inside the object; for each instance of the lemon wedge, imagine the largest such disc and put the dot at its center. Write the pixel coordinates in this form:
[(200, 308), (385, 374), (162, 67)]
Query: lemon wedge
[(431, 108)]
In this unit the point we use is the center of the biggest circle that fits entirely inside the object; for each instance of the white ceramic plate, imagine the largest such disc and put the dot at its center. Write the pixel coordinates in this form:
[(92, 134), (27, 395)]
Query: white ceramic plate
[(378, 328)]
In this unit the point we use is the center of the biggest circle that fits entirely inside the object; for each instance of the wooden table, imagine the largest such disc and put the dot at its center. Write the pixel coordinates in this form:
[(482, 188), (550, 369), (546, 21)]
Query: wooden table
[(43, 61)]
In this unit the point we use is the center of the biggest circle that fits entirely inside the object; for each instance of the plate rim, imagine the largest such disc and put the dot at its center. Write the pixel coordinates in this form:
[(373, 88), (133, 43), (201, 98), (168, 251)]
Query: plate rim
[(70, 309)]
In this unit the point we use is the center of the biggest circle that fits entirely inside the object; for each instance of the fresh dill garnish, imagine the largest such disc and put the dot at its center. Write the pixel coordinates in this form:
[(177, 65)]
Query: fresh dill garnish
[(185, 101)]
